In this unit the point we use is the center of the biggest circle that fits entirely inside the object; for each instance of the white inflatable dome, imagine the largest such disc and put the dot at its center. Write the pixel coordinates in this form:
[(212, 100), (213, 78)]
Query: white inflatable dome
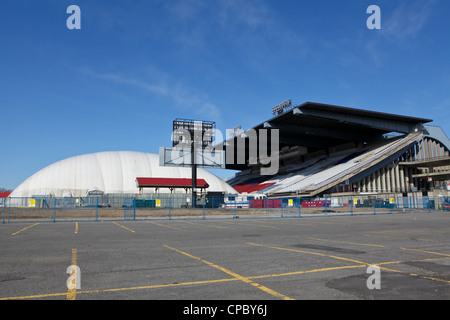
[(109, 172)]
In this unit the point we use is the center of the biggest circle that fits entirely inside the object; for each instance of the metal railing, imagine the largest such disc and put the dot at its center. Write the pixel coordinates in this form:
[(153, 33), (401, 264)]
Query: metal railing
[(171, 206)]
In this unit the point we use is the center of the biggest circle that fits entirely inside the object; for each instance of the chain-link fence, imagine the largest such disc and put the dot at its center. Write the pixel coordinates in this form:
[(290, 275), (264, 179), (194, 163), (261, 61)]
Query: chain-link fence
[(179, 206)]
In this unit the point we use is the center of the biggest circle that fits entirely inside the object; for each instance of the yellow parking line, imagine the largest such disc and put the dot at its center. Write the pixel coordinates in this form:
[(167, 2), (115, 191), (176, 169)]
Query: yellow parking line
[(309, 252), (221, 280), (122, 289), (72, 292), (307, 271), (416, 275), (362, 263), (251, 224), (15, 233), (123, 226), (233, 274), (332, 222), (76, 228), (37, 296), (441, 254), (358, 244), (291, 223), (394, 237), (160, 286), (206, 225), (163, 225)]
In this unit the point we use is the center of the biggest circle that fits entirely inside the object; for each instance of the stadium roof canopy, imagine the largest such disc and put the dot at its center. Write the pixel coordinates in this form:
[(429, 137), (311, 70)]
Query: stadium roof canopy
[(317, 126)]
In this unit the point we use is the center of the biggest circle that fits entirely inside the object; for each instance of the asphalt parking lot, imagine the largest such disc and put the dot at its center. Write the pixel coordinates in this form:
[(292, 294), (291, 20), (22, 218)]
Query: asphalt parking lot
[(324, 258)]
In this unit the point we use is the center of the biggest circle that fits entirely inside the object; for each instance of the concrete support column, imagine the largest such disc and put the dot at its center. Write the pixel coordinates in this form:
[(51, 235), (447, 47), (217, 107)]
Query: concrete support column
[(398, 187), (386, 179), (391, 178), (409, 182), (371, 183), (402, 179), (429, 149), (422, 149), (377, 181), (382, 181), (435, 150), (441, 151)]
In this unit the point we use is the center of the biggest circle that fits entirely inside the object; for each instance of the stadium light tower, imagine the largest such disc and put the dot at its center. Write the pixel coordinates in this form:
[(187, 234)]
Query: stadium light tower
[(282, 107), (193, 147), (196, 135)]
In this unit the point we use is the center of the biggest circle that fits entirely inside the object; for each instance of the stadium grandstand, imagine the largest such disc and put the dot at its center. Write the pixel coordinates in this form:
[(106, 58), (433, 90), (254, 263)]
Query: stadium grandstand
[(332, 150)]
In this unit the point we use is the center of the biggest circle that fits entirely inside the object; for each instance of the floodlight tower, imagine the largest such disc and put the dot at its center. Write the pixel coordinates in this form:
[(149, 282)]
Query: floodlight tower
[(196, 135)]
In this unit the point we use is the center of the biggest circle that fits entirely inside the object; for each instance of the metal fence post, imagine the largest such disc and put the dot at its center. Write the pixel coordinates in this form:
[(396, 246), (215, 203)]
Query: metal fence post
[(410, 205), (299, 208), (170, 207), (396, 205), (96, 210), (267, 207), (203, 208), (54, 209), (4, 209), (9, 208)]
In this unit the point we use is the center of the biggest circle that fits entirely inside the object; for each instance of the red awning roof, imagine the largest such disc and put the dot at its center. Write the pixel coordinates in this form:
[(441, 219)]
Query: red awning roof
[(169, 183), (4, 194), (249, 188)]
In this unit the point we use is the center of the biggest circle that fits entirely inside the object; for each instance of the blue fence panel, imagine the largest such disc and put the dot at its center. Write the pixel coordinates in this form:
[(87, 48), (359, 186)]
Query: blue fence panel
[(179, 206), (129, 206)]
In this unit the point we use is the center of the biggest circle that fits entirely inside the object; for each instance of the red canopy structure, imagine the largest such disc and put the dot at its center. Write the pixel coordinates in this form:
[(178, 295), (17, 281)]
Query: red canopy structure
[(170, 183), (249, 188)]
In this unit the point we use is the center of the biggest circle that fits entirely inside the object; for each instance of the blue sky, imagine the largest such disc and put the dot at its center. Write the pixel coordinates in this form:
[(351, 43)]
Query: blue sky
[(135, 66)]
